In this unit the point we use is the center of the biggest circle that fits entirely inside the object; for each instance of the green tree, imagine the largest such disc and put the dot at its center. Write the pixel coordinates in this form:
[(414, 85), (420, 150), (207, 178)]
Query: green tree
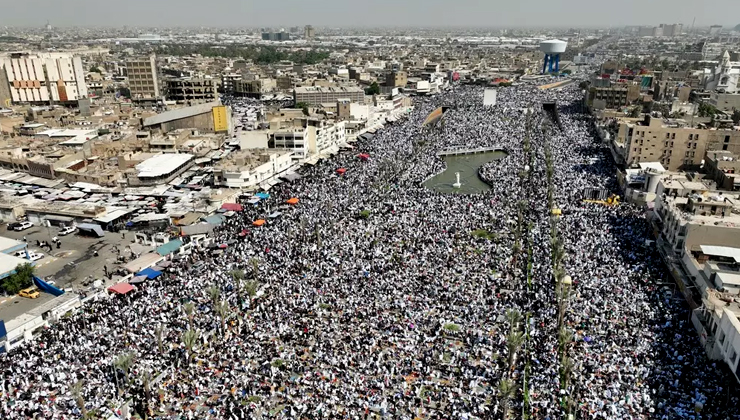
[(584, 85), (706, 110), (736, 116), (374, 89), (76, 391), (635, 112), (506, 390), (251, 288), (238, 277), (304, 106), (223, 310), (95, 69), (190, 339), (20, 279), (189, 308)]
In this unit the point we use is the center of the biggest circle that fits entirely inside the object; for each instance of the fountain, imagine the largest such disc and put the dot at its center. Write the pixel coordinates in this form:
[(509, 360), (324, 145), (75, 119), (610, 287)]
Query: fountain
[(457, 183)]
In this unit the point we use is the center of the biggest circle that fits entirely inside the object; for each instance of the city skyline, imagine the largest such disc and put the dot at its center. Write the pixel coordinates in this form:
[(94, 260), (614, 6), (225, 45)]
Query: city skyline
[(411, 13)]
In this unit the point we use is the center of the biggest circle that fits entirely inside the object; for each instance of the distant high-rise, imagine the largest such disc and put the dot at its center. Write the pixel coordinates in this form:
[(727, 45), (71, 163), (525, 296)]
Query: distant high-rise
[(143, 81), (276, 36), (44, 77), (309, 32), (715, 29), (672, 30)]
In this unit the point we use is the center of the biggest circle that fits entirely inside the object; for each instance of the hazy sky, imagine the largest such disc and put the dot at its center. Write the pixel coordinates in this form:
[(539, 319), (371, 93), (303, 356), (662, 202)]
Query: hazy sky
[(259, 13)]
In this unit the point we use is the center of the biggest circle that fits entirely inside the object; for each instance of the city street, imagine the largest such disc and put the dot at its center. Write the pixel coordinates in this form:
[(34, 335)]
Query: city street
[(68, 266)]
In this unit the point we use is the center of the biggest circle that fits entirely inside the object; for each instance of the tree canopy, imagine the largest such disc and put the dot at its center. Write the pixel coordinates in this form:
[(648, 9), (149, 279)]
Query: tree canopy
[(21, 279), (259, 55)]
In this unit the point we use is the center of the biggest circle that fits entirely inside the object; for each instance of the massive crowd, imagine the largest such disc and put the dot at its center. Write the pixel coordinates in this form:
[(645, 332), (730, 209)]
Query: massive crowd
[(375, 298)]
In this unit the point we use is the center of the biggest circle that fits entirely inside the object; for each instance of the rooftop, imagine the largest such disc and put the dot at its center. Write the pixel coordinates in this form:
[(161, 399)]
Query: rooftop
[(177, 114), (321, 89), (162, 164)]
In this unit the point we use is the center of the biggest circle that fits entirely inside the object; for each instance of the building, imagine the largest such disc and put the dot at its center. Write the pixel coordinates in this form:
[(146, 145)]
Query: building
[(250, 169), (309, 32), (254, 88), (672, 29), (159, 169), (723, 167), (210, 117), (715, 29), (727, 102), (307, 137), (276, 36), (613, 97), (228, 82), (190, 90), (315, 95), (43, 78), (724, 77), (396, 79), (669, 142), (143, 80)]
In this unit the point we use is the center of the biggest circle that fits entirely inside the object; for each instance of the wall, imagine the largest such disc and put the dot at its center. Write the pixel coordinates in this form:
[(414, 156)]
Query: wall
[(712, 235), (203, 122)]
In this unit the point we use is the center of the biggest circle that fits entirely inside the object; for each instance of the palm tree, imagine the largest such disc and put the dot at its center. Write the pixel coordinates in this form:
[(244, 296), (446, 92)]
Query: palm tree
[(506, 391), (215, 293), (255, 268), (146, 381), (565, 337), (222, 309), (251, 289), (514, 342), (513, 317), (190, 338), (189, 308), (566, 370), (238, 277), (159, 333), (124, 363), (79, 400)]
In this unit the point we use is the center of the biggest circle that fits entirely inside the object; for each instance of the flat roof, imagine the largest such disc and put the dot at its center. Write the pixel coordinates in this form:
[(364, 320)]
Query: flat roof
[(162, 164), (177, 114), (8, 263), (9, 243), (721, 251), (320, 89)]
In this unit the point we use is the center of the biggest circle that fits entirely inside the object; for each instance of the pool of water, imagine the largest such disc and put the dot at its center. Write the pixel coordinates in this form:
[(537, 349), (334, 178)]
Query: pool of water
[(468, 166)]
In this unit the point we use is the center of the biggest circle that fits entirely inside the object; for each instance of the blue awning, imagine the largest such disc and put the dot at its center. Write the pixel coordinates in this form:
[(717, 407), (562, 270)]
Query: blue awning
[(46, 287), (216, 219), (169, 247), (150, 273), (262, 195)]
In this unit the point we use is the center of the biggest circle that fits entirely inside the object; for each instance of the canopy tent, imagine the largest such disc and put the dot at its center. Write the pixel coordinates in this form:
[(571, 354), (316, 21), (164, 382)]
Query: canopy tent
[(259, 222), (150, 273), (363, 156), (341, 171), (138, 280), (169, 247), (274, 215), (434, 116), (262, 195), (243, 233), (91, 229), (292, 200), (164, 264), (121, 288), (253, 201), (46, 287), (232, 207)]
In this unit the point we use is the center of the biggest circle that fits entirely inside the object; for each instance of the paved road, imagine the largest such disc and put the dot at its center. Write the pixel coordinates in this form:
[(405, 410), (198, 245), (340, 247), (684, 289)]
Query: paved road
[(68, 265)]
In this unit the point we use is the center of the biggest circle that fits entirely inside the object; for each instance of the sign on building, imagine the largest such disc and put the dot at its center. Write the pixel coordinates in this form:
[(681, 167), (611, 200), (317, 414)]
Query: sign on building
[(220, 119)]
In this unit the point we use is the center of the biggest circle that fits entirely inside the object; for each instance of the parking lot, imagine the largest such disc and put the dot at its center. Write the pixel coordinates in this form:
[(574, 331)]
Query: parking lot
[(70, 266)]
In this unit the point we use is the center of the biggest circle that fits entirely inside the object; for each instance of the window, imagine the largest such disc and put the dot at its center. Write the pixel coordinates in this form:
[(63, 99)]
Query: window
[(667, 135), (695, 145), (691, 137), (673, 137), (696, 137), (727, 139), (724, 146)]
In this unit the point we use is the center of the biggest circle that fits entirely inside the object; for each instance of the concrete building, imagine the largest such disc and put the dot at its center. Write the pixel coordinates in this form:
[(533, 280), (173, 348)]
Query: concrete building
[(276, 36), (307, 137), (315, 95), (715, 29), (613, 97), (727, 102), (250, 169), (254, 88), (669, 142), (210, 117), (396, 79), (723, 167), (672, 30), (44, 78), (309, 32), (143, 80), (190, 90), (228, 82)]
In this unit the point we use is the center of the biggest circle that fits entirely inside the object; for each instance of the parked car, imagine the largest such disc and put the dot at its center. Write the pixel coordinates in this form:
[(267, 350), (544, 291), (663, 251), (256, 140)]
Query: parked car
[(23, 226), (67, 230), (13, 225), (31, 293), (31, 255)]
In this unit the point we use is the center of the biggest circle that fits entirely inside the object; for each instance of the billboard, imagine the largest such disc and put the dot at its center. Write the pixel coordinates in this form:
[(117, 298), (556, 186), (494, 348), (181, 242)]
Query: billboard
[(489, 97), (220, 119)]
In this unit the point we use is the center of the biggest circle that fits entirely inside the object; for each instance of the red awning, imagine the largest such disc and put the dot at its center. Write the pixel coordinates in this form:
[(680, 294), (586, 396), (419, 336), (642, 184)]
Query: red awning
[(121, 288), (232, 207), (363, 156), (341, 171)]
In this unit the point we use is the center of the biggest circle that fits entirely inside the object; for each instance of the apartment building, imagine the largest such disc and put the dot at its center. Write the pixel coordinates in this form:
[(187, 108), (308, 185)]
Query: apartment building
[(669, 142), (724, 168), (254, 88), (228, 82), (143, 80), (309, 32), (396, 79), (43, 78), (247, 169), (307, 137), (316, 95), (190, 90), (613, 97)]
